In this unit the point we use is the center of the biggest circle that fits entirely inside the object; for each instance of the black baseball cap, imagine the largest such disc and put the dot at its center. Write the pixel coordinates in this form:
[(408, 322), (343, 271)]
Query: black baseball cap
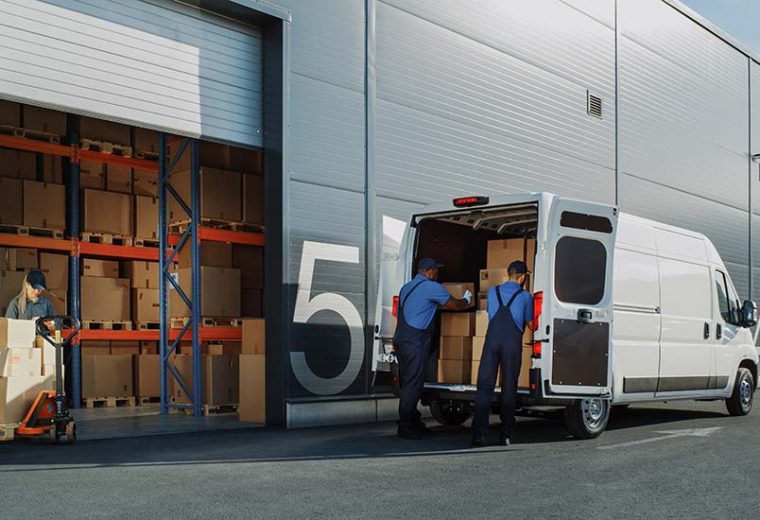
[(518, 267), (36, 279), (427, 264)]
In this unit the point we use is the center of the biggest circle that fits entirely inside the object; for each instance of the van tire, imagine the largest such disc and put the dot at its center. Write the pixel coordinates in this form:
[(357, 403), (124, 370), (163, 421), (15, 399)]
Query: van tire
[(587, 418), (740, 402), (447, 413)]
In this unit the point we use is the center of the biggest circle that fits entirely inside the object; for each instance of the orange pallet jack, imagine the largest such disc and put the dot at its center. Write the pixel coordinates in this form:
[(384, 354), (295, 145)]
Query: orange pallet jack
[(49, 414)]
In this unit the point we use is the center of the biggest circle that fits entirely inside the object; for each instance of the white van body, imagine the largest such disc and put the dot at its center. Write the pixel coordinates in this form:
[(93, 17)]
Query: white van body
[(633, 310)]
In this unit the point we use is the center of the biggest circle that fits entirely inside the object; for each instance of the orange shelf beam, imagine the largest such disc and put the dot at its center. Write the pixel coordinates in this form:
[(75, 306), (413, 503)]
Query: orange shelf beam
[(130, 162), (205, 333), (223, 235), (112, 251), (31, 145), (52, 244)]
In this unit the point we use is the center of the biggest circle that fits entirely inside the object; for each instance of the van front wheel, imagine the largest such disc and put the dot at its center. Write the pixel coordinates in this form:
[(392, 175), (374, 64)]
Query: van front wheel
[(587, 418), (740, 402)]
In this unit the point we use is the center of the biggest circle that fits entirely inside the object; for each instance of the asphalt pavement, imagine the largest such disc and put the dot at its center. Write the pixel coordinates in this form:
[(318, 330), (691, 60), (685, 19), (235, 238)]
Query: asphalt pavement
[(680, 460)]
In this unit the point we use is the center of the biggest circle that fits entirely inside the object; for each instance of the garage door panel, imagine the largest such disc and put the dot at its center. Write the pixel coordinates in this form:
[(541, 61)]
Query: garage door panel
[(152, 63)]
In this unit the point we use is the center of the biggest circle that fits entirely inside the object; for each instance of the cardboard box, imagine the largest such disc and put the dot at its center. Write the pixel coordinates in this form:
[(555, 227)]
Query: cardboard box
[(59, 297), (118, 178), (220, 293), (501, 253), (530, 256), (10, 113), (18, 393), (20, 362), (211, 154), (143, 275), (213, 254), (250, 261), (44, 205), (95, 347), (253, 200), (245, 160), (254, 338), (527, 338), (252, 388), (149, 347), (220, 375), (109, 213), (145, 183), (107, 376), (17, 333), (18, 259), (147, 140), (106, 131), (457, 323), (478, 342), (146, 217), (223, 348), (130, 348), (47, 351), (49, 370), (147, 369), (220, 194), (455, 347), (92, 174), (55, 267), (11, 202), (251, 303), (482, 301), (52, 169), (17, 164), (44, 120), (104, 299), (454, 371), (145, 305), (104, 268), (457, 290), (481, 323), (492, 278), (10, 287)]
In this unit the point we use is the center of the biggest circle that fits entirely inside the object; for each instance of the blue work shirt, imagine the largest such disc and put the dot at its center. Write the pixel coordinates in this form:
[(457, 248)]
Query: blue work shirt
[(522, 307), (420, 308)]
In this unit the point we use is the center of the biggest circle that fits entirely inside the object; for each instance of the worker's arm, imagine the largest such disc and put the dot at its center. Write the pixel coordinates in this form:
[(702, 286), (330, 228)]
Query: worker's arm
[(12, 312), (455, 304), (529, 321)]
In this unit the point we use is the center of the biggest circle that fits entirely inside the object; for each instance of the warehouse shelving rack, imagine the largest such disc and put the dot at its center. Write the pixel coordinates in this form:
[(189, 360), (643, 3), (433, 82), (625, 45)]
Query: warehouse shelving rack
[(169, 243)]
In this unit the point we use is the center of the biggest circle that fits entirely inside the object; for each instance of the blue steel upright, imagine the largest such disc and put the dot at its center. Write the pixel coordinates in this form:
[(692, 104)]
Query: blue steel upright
[(195, 218), (74, 281)]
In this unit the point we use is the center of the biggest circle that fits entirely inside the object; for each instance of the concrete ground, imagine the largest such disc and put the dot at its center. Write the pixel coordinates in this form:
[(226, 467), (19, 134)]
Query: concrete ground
[(680, 460)]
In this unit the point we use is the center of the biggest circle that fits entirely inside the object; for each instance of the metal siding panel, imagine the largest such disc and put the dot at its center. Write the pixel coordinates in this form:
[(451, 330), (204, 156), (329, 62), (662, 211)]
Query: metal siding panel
[(726, 227), (755, 146), (152, 63), (327, 134), (683, 104)]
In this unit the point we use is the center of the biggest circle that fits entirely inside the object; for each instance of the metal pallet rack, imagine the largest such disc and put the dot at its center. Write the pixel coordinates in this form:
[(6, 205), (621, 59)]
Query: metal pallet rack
[(169, 242)]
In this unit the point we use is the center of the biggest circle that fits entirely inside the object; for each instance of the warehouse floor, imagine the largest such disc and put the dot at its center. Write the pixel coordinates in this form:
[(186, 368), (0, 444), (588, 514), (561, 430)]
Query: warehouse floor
[(139, 421)]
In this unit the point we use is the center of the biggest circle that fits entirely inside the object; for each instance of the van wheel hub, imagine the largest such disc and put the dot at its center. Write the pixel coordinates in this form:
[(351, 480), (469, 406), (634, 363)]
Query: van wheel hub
[(593, 412), (745, 393)]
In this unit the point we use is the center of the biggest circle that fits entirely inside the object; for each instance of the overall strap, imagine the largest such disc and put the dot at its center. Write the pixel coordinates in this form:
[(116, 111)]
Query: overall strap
[(401, 303), (509, 303)]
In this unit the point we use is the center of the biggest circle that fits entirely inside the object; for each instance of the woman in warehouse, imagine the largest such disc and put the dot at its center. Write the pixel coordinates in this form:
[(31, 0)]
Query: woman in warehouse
[(30, 302)]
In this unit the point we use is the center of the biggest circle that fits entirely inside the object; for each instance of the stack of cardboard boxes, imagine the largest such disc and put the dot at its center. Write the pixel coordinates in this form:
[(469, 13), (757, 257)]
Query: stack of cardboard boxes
[(253, 372), (455, 358), (105, 296), (21, 369)]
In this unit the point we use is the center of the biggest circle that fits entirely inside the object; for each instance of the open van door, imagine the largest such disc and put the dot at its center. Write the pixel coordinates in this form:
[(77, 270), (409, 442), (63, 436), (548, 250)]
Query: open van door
[(577, 305)]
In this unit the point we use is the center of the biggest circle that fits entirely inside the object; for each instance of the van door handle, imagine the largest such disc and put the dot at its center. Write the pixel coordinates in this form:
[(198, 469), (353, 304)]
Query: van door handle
[(585, 316), (707, 330), (718, 331)]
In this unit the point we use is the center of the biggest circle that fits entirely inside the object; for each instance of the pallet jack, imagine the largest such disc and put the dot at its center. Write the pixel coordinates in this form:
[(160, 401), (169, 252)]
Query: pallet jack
[(49, 414)]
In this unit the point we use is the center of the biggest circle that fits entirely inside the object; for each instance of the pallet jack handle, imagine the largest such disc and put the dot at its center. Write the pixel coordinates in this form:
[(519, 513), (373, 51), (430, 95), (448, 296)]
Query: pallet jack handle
[(62, 323)]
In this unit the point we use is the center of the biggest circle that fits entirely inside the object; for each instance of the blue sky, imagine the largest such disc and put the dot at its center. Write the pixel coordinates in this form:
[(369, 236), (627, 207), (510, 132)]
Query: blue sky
[(739, 18)]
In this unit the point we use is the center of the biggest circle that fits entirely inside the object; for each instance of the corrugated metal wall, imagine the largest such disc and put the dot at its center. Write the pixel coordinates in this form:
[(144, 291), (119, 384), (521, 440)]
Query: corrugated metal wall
[(152, 63)]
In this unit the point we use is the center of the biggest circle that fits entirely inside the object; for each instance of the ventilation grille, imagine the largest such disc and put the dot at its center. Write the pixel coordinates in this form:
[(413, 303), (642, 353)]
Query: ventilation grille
[(593, 105)]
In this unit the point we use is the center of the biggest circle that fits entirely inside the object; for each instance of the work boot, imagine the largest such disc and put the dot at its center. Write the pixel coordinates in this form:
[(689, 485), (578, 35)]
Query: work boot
[(408, 433), (478, 440), (504, 440)]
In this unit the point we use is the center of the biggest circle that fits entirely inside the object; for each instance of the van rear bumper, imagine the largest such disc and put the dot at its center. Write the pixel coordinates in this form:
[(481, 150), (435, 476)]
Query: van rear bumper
[(459, 392)]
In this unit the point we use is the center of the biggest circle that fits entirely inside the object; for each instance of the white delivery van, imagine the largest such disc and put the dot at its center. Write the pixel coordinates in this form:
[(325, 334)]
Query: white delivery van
[(628, 310)]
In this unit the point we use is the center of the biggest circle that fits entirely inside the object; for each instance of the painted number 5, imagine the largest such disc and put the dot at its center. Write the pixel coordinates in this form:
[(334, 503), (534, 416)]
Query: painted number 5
[(306, 307)]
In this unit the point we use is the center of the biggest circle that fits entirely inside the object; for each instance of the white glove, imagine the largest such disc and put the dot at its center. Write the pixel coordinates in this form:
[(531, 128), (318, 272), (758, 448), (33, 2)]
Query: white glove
[(468, 296)]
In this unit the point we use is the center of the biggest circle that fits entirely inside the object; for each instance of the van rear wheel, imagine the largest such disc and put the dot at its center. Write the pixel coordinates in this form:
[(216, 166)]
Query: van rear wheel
[(450, 413), (740, 402), (587, 418)]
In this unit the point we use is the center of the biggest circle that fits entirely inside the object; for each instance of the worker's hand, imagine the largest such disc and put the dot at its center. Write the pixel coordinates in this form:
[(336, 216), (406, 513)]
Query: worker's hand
[(50, 324), (468, 296)]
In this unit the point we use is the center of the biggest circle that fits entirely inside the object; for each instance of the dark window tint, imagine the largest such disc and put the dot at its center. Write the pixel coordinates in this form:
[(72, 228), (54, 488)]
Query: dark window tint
[(720, 287), (580, 270), (728, 300), (585, 222)]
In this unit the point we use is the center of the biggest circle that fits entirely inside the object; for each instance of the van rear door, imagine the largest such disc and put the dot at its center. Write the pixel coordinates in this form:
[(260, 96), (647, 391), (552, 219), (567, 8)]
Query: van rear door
[(577, 306)]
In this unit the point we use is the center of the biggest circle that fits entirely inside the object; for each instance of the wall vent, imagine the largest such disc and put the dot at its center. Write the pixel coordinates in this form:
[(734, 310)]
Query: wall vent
[(593, 105)]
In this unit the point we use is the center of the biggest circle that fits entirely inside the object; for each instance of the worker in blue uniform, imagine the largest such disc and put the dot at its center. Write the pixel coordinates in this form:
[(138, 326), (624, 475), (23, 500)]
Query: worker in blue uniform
[(419, 300), (510, 310)]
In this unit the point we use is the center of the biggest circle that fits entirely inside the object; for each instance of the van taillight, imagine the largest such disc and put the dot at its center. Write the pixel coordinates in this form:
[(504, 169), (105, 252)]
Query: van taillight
[(394, 309), (537, 349), (538, 306)]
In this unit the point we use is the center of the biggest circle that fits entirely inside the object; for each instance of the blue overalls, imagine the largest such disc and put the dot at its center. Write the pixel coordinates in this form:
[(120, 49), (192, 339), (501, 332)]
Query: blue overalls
[(413, 347), (503, 346)]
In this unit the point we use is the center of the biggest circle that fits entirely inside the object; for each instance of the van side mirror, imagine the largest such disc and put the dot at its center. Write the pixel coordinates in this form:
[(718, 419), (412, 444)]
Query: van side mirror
[(749, 313)]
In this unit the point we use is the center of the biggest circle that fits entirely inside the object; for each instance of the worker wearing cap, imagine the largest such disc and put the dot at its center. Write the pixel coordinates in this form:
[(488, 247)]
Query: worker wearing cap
[(30, 302), (510, 310), (419, 300)]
